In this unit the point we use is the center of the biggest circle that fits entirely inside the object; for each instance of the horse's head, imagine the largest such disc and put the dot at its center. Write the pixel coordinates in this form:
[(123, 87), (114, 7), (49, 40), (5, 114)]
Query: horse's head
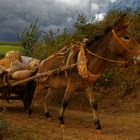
[(122, 44)]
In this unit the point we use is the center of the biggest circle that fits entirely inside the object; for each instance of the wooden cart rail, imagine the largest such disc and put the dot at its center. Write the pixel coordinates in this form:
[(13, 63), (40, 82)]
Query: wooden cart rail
[(39, 75)]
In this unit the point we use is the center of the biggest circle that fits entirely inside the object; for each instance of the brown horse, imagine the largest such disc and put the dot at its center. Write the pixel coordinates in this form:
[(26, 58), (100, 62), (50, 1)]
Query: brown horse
[(114, 43)]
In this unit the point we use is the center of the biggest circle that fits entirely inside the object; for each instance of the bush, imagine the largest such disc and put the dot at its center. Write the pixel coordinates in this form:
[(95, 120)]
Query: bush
[(29, 38), (53, 41), (106, 79)]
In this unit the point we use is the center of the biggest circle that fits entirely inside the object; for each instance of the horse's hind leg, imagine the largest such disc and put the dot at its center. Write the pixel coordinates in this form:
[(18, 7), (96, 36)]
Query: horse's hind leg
[(91, 98), (69, 90), (45, 102)]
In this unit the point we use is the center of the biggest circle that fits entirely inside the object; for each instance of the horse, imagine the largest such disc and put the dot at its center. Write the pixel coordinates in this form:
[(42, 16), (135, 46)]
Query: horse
[(114, 43)]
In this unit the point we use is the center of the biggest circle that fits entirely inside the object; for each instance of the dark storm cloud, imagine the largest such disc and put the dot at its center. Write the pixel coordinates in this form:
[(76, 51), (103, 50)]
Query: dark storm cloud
[(15, 15)]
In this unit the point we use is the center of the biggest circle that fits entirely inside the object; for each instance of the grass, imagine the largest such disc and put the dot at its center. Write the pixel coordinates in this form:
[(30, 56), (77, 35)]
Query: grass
[(9, 46), (6, 48), (10, 43)]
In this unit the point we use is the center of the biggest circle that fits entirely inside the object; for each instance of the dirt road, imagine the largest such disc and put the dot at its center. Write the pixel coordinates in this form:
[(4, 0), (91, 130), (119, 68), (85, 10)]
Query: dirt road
[(79, 125)]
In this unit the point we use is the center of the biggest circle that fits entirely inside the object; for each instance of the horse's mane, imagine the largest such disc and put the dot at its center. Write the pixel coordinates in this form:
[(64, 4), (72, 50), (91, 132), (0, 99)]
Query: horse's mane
[(99, 36)]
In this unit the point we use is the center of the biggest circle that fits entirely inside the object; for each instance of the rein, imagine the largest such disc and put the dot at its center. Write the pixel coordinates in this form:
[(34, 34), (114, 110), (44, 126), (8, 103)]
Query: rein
[(106, 59)]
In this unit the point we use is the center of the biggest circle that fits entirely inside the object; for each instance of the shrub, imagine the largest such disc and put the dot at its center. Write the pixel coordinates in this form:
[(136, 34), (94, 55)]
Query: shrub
[(29, 38), (106, 79)]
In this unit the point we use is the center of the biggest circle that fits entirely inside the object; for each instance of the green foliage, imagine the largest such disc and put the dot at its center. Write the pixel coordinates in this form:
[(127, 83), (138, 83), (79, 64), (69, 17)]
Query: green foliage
[(5, 48), (106, 79), (40, 51), (29, 38), (53, 41), (81, 27), (86, 29), (10, 43), (80, 24), (107, 75)]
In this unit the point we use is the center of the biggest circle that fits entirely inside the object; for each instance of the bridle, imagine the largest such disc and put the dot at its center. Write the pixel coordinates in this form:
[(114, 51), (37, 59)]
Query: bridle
[(110, 60), (121, 42)]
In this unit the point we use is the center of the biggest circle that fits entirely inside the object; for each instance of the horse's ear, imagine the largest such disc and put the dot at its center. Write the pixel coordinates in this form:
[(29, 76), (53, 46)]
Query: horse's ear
[(120, 21)]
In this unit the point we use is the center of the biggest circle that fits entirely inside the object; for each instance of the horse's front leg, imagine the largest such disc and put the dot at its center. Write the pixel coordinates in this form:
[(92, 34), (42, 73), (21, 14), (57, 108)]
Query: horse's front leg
[(91, 98), (68, 92)]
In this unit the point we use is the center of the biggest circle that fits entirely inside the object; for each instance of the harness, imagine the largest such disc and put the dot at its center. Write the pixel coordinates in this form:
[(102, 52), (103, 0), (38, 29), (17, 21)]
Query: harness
[(82, 60)]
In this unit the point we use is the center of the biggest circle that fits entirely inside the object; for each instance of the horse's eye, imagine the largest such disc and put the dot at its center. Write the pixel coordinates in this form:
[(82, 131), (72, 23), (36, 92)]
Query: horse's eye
[(126, 37)]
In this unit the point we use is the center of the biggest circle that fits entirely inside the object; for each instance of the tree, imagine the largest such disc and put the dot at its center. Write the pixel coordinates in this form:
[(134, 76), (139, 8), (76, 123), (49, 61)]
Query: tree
[(29, 38)]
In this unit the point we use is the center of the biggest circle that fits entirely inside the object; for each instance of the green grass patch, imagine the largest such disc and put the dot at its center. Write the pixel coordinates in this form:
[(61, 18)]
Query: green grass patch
[(5, 48), (10, 43)]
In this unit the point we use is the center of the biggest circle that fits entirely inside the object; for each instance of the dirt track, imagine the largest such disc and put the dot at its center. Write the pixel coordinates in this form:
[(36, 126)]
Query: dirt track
[(79, 125)]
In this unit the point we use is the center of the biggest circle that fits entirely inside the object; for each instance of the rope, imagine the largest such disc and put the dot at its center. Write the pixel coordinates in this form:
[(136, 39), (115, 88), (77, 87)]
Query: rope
[(110, 60)]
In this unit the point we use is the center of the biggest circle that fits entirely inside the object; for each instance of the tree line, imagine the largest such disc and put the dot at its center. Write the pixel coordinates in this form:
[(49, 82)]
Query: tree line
[(40, 44)]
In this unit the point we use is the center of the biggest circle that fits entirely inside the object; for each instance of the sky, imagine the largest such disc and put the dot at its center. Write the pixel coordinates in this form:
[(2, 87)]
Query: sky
[(15, 15)]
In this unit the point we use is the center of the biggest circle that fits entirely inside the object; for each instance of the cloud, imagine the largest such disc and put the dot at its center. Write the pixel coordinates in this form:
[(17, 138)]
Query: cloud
[(113, 0), (15, 15), (99, 16)]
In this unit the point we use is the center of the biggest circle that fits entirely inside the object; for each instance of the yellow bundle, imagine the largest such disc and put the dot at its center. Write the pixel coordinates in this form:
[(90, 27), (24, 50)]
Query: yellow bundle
[(82, 66)]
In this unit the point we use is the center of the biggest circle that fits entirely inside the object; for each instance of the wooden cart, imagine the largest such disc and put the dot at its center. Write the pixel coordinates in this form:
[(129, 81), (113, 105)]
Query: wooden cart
[(24, 89), (23, 92)]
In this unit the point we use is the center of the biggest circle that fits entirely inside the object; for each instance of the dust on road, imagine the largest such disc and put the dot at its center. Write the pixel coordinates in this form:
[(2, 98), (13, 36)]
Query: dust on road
[(79, 125)]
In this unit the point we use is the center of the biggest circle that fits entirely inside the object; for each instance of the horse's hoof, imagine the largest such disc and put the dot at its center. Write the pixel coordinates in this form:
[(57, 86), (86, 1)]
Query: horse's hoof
[(48, 116), (97, 125), (63, 126)]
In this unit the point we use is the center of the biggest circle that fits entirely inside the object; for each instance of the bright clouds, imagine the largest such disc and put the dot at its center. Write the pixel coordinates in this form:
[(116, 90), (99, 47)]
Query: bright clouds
[(113, 0), (69, 2), (99, 17)]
